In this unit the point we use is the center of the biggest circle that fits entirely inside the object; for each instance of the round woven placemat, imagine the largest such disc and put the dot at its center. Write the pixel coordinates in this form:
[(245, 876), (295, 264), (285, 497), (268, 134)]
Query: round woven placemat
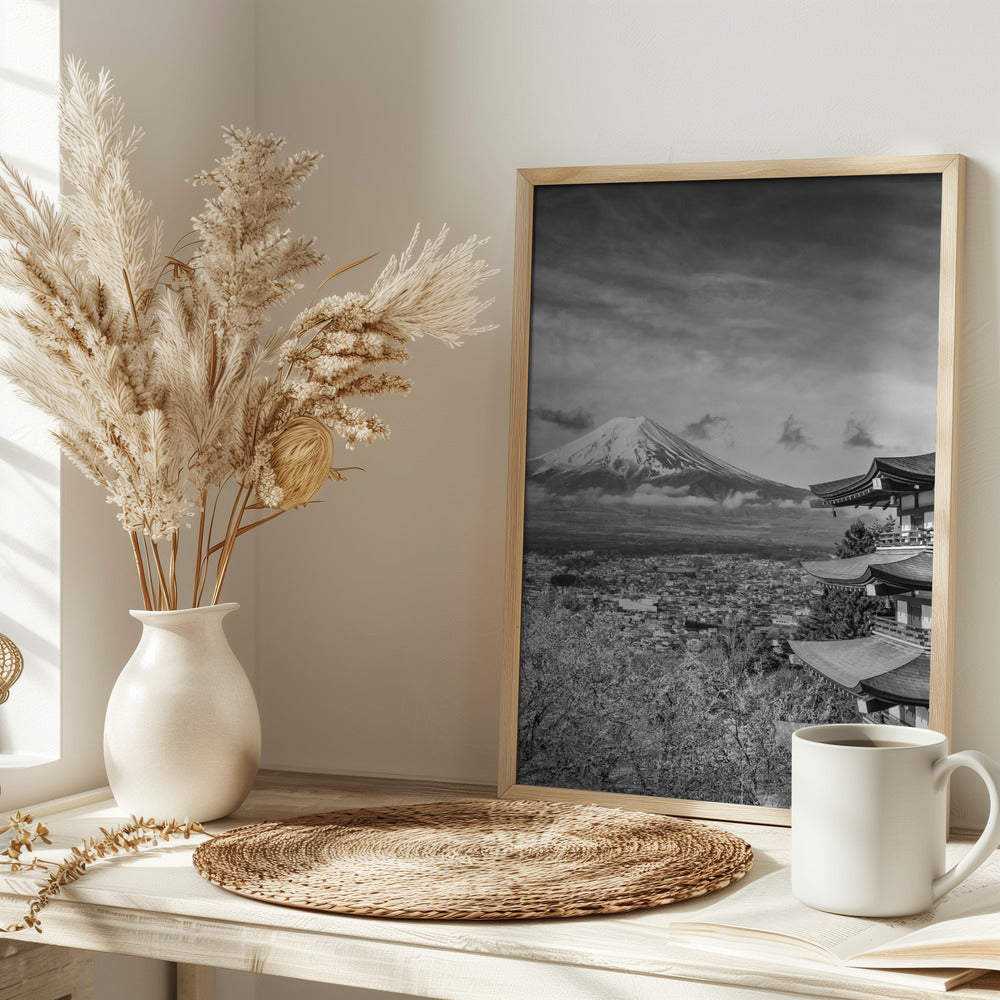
[(476, 860)]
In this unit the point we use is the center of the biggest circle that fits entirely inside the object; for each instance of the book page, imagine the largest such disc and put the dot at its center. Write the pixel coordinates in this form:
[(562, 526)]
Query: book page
[(971, 910), (969, 914), (972, 941), (768, 905), (979, 893)]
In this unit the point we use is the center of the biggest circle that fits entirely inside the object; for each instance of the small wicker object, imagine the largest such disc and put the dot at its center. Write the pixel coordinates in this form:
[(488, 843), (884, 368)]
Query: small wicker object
[(475, 860), (301, 458), (11, 663)]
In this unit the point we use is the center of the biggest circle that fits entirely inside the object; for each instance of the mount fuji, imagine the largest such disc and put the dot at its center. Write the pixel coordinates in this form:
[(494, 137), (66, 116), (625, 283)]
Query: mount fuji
[(627, 453)]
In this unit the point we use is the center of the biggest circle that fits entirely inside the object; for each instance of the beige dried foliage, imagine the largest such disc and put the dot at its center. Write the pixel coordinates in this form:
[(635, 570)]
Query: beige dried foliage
[(163, 386)]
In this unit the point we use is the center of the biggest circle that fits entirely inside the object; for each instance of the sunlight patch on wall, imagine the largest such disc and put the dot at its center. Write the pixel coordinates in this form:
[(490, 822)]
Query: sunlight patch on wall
[(29, 458)]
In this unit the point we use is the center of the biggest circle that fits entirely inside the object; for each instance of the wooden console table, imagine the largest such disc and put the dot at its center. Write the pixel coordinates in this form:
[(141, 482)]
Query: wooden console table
[(155, 905)]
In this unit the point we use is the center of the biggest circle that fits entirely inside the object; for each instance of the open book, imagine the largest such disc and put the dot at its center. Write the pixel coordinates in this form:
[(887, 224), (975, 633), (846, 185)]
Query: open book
[(956, 940)]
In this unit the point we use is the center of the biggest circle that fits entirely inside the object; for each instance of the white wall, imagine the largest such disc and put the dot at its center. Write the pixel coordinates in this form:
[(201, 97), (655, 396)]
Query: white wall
[(30, 572)]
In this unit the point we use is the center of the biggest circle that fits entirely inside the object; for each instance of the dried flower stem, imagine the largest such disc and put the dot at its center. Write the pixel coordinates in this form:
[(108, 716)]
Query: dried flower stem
[(201, 539), (174, 542), (141, 569), (249, 527), (131, 297), (211, 526), (340, 271), (232, 533), (154, 591), (126, 839), (162, 588)]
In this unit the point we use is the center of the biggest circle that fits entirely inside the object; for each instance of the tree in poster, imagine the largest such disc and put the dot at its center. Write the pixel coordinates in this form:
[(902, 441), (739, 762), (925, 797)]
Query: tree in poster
[(836, 613)]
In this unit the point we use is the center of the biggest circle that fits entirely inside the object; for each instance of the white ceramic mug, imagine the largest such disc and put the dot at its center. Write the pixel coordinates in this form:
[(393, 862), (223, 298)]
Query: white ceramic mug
[(869, 818)]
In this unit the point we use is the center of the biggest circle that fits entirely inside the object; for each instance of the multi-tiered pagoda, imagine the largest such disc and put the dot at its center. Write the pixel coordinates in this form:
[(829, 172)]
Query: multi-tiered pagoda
[(889, 670)]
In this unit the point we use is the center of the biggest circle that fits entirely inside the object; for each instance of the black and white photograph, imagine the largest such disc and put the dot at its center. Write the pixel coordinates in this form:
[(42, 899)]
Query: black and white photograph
[(729, 476)]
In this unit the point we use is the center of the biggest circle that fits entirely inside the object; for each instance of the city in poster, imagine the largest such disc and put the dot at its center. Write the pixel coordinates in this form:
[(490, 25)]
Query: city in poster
[(726, 471)]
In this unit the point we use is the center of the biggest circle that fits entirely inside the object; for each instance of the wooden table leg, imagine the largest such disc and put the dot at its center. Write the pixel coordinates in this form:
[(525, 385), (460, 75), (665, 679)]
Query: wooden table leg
[(195, 982), (44, 973)]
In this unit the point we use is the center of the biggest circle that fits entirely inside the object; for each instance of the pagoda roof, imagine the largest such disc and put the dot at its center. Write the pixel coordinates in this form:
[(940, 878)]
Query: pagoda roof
[(915, 573), (881, 484), (899, 567), (849, 662), (874, 665), (909, 684)]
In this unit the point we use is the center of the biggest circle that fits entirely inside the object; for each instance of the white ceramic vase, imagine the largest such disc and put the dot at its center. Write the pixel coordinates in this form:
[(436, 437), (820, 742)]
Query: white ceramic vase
[(182, 731)]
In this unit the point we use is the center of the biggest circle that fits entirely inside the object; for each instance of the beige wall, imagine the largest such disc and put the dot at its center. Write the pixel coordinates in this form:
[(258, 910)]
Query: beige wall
[(379, 615), (380, 608), (381, 612)]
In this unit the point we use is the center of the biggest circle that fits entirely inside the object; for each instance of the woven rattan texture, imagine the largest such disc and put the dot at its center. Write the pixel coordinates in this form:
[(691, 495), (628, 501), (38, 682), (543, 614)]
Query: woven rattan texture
[(476, 860), (11, 664)]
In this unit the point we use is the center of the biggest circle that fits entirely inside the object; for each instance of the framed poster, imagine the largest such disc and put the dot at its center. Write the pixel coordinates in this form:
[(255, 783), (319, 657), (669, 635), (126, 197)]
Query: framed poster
[(730, 487)]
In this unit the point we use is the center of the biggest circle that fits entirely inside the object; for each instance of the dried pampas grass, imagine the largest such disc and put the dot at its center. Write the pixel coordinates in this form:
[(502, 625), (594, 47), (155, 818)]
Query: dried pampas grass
[(163, 388)]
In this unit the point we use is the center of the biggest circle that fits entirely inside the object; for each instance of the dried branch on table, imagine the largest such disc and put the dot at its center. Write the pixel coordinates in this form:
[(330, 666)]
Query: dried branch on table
[(128, 839)]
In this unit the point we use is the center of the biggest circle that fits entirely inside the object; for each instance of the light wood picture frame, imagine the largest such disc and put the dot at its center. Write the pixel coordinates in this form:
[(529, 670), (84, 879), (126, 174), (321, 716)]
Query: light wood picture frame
[(711, 363)]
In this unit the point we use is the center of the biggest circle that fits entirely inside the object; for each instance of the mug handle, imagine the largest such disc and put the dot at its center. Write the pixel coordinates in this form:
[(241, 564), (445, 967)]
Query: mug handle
[(989, 839)]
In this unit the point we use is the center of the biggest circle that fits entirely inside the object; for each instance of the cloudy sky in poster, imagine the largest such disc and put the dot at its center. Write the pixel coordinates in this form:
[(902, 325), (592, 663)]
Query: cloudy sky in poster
[(787, 326)]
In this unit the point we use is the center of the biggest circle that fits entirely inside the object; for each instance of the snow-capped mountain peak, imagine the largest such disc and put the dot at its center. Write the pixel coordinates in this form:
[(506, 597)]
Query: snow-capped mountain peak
[(628, 452)]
